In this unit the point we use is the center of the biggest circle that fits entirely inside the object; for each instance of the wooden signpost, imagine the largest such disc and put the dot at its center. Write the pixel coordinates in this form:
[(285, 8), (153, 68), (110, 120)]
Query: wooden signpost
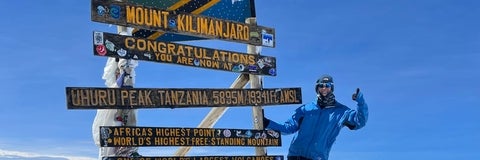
[(182, 17), (150, 18), (134, 98), (114, 136), (128, 47)]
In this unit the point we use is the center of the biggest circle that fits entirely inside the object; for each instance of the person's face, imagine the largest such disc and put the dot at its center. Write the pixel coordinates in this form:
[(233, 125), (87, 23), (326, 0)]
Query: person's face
[(324, 88)]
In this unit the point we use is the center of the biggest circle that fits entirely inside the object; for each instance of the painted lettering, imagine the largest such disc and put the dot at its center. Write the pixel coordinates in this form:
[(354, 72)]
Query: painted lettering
[(262, 142), (92, 97), (209, 63), (187, 55), (228, 141), (213, 27), (227, 66), (166, 141), (288, 96), (185, 60), (203, 132), (131, 141), (145, 98), (147, 17), (123, 131)]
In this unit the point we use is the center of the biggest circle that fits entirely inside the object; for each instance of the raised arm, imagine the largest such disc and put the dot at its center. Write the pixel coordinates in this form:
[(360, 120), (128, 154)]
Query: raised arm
[(356, 119), (290, 126)]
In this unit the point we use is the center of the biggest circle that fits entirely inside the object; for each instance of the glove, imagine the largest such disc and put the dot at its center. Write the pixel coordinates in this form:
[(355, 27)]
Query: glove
[(266, 122), (358, 96)]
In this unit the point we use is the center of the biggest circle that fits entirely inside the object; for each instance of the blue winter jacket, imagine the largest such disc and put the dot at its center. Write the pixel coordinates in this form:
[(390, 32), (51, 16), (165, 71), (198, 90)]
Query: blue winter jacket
[(318, 128)]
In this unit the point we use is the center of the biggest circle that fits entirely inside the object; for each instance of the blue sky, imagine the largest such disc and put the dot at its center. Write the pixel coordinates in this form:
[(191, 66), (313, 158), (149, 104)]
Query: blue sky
[(417, 63)]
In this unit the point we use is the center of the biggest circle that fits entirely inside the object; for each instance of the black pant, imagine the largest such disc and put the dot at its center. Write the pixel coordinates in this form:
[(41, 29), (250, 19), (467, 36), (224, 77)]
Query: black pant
[(297, 158)]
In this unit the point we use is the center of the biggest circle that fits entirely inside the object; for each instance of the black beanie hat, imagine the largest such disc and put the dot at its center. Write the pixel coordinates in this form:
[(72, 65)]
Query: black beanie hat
[(324, 79)]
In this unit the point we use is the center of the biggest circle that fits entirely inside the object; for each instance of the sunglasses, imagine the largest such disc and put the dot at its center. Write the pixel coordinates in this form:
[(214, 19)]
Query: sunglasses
[(327, 85)]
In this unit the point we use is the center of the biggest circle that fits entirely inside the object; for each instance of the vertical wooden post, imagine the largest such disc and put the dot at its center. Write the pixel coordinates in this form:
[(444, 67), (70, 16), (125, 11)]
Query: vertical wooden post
[(256, 82), (215, 113)]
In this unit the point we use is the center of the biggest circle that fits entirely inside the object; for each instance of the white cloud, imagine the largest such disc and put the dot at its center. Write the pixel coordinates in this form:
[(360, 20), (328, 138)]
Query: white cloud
[(29, 155)]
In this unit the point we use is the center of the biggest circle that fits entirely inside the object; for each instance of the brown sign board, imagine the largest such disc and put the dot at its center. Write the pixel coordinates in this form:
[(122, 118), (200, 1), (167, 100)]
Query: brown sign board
[(121, 136), (133, 98), (270, 157), (155, 19), (128, 47)]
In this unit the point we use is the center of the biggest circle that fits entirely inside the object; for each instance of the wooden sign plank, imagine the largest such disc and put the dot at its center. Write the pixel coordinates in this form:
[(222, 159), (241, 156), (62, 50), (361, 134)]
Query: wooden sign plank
[(270, 157), (234, 10), (132, 98), (128, 47), (155, 19), (122, 136)]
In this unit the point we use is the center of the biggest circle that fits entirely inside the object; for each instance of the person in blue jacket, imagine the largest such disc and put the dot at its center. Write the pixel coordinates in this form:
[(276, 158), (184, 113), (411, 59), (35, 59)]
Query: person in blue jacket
[(318, 123)]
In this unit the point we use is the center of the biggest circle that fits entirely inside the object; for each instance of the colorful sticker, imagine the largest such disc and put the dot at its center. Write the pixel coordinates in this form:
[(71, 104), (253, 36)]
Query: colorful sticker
[(260, 135), (110, 46), (260, 63), (98, 38), (196, 62), (238, 68), (101, 10), (233, 1), (101, 50), (273, 133), (172, 23), (121, 52), (241, 67), (227, 133), (267, 39), (266, 62), (254, 36), (246, 135), (272, 71), (115, 11), (105, 135), (148, 55), (252, 68)]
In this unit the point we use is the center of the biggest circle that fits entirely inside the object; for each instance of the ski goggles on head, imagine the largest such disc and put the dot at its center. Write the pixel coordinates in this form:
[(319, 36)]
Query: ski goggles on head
[(327, 85)]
